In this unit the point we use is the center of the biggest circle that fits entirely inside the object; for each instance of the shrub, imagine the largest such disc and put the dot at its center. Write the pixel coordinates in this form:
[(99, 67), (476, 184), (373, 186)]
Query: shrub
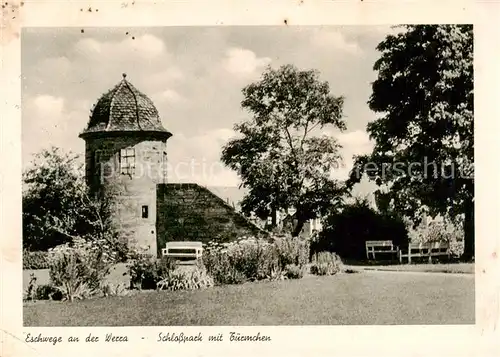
[(111, 289), (292, 250), (254, 258), (35, 260), (326, 263), (293, 271), (48, 292), (146, 271), (218, 264), (248, 259), (143, 271), (186, 279), (438, 231), (347, 231), (78, 269), (41, 292)]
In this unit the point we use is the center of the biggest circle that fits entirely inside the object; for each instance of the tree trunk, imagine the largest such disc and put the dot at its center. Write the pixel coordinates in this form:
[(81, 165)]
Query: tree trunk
[(273, 217), (469, 246), (298, 227)]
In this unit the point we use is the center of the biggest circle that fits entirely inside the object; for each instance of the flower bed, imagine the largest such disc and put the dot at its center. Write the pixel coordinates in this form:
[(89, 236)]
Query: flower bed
[(251, 259)]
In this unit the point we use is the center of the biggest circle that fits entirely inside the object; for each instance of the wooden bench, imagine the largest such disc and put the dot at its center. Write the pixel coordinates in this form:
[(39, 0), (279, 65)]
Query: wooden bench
[(425, 250), (183, 250), (379, 246)]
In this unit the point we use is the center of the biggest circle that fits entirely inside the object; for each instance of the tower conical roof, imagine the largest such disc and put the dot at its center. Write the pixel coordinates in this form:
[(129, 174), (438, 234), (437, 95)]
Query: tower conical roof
[(124, 109)]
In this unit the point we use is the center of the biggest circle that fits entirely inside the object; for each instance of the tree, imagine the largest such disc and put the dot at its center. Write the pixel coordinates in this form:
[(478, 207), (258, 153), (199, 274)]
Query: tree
[(57, 205), (281, 156), (424, 143), (345, 232)]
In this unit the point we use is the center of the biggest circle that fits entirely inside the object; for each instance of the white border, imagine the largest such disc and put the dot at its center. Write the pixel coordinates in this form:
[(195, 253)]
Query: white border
[(343, 340)]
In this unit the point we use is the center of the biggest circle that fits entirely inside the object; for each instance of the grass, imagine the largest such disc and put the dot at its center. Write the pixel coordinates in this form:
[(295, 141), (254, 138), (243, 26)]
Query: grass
[(457, 268), (360, 299)]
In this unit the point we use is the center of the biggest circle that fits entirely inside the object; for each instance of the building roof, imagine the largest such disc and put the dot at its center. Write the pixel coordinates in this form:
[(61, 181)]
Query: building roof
[(124, 109)]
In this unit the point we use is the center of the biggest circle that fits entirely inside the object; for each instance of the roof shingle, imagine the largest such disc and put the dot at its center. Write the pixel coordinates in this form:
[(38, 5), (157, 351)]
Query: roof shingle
[(124, 108)]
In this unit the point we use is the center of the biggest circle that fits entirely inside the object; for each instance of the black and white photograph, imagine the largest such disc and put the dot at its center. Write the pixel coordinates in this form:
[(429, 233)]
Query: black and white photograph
[(248, 176)]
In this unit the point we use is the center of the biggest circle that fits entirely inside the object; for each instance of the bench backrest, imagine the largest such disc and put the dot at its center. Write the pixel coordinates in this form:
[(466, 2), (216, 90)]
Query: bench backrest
[(433, 245), (378, 243), (183, 249)]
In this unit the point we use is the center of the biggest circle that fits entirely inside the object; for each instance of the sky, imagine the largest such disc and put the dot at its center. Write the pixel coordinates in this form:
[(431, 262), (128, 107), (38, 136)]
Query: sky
[(195, 76)]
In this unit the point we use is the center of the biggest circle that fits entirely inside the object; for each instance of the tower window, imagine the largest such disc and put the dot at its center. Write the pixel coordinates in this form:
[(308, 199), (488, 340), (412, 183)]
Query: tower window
[(145, 212), (127, 161)]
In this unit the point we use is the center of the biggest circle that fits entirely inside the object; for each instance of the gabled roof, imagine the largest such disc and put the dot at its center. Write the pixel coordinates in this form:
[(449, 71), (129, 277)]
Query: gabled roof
[(124, 109)]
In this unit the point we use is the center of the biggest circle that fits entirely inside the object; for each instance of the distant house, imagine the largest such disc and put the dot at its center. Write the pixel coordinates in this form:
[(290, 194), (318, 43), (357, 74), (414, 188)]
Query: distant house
[(234, 195)]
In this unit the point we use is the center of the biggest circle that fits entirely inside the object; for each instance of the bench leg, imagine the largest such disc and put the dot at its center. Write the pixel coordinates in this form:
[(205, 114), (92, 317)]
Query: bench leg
[(409, 257)]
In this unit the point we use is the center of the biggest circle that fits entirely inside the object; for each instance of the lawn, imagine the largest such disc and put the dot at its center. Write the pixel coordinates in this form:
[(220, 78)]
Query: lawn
[(458, 268), (362, 299)]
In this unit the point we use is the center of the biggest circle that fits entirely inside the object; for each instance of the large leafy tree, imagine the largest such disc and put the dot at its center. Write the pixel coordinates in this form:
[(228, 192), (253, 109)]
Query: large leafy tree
[(424, 143), (343, 234), (282, 157), (58, 207)]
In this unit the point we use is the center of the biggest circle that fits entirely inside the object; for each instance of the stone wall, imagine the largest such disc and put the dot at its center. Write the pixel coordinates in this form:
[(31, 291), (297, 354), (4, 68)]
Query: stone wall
[(131, 192), (191, 212)]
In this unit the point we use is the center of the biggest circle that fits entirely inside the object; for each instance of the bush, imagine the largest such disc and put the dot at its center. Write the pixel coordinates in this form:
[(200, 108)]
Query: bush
[(111, 289), (292, 251), (326, 263), (346, 232), (146, 271), (250, 259), (218, 264), (78, 269), (293, 271), (186, 279), (438, 231), (48, 292), (41, 292), (35, 260)]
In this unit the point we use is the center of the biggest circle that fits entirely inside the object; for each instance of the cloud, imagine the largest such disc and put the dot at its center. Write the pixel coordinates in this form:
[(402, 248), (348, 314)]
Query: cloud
[(243, 62), (48, 121), (196, 158), (353, 143), (357, 138), (168, 95), (48, 106), (336, 41), (144, 47)]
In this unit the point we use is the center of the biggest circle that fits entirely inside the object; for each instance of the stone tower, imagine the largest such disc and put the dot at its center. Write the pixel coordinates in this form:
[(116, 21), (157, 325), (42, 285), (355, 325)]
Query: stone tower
[(126, 156)]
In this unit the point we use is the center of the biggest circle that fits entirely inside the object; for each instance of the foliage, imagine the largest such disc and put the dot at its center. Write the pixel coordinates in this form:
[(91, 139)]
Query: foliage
[(79, 268), (423, 156), (292, 251), (281, 157), (326, 263), (58, 206), (35, 260), (251, 258), (440, 231), (294, 271), (346, 232), (112, 289), (218, 264), (146, 271), (46, 292), (186, 279), (436, 232)]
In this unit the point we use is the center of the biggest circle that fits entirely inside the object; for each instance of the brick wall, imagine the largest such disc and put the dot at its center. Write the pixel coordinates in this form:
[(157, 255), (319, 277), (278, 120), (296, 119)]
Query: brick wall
[(192, 212)]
